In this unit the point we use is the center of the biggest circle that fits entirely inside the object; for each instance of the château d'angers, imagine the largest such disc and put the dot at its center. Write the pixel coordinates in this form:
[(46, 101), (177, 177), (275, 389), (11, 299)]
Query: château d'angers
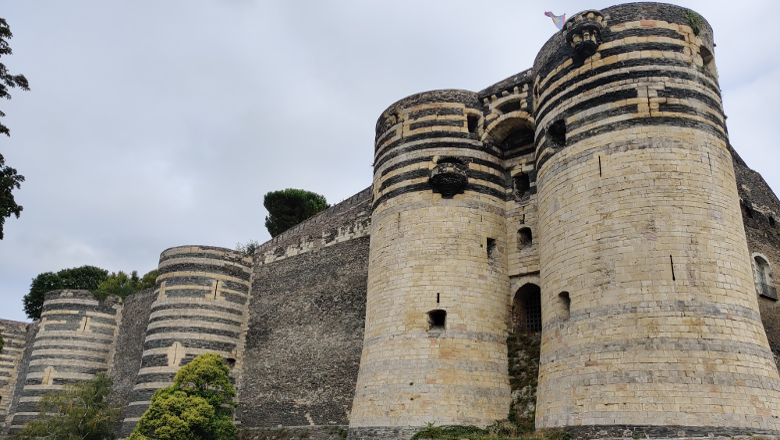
[(592, 202)]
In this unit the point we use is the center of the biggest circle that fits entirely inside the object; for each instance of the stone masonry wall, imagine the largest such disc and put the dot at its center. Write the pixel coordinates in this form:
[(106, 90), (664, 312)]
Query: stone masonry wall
[(129, 347), (14, 337), (761, 216), (21, 374), (75, 341), (306, 318)]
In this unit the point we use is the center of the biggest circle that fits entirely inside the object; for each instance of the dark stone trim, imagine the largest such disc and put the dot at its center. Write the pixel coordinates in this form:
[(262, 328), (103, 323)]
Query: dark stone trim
[(76, 357), (443, 111), (650, 431), (189, 343), (638, 47), (519, 152), (679, 93), (199, 255), (607, 37), (385, 136), (204, 281), (199, 318), (193, 329), (429, 146), (680, 108), (605, 53), (409, 175), (420, 136), (627, 109), (486, 177), (643, 62), (433, 136), (196, 307), (437, 123), (604, 98), (405, 163), (417, 187), (81, 338), (487, 163), (675, 121), (79, 308), (208, 268)]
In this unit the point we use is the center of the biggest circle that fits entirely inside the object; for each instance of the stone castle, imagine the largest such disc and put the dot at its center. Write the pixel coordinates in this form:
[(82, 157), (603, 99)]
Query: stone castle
[(593, 200)]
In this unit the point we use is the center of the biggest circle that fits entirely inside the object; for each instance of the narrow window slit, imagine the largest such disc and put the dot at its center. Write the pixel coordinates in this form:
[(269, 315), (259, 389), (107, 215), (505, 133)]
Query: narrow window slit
[(473, 123), (437, 298), (599, 166), (565, 301), (524, 238), (491, 247), (671, 260)]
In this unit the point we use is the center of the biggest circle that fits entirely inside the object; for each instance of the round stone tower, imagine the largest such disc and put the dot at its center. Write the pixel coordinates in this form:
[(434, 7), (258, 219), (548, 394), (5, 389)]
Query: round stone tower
[(202, 296), (74, 342), (650, 317), (435, 335)]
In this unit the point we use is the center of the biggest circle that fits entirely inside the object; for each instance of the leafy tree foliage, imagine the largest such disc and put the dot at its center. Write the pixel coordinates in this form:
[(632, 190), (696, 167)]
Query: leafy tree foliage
[(287, 208), (9, 178), (84, 277), (196, 407), (122, 284), (81, 411), (248, 247), (8, 81)]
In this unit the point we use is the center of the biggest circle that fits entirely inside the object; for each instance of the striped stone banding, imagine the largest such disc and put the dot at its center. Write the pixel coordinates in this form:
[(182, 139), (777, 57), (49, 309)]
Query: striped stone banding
[(395, 148), (201, 306), (418, 187), (616, 72), (73, 344)]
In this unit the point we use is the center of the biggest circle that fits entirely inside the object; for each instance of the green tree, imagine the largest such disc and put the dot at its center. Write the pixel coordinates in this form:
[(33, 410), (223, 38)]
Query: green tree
[(149, 279), (122, 284), (81, 411), (9, 178), (196, 407), (84, 277), (249, 247), (288, 207)]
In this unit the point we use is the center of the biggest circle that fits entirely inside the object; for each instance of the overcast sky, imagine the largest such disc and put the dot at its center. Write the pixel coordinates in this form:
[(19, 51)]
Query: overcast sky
[(153, 124)]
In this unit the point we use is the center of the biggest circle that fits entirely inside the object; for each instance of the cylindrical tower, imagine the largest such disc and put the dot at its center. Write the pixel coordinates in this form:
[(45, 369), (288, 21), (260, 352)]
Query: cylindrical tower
[(202, 295), (73, 344), (437, 301), (648, 303)]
